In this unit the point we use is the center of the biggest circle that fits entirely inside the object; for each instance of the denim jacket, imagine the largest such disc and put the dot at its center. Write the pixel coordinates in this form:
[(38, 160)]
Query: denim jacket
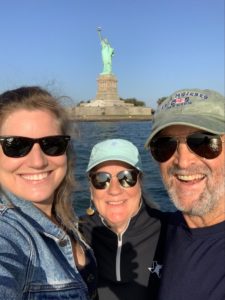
[(36, 257)]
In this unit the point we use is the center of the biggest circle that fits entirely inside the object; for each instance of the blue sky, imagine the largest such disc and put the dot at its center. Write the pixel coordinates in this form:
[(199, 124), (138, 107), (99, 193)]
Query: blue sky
[(160, 45)]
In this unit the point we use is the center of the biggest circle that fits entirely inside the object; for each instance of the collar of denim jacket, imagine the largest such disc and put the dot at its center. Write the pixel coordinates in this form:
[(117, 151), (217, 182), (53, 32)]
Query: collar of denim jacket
[(27, 210)]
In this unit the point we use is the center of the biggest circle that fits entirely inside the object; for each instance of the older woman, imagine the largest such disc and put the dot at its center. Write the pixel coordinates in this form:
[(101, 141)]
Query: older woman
[(42, 255), (124, 230)]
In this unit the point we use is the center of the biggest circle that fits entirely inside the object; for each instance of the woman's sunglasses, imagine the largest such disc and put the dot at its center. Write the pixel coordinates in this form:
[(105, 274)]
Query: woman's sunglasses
[(126, 178), (18, 146), (204, 144)]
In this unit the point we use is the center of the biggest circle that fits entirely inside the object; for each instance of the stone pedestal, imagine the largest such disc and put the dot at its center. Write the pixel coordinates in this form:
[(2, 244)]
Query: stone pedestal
[(107, 88), (107, 93), (107, 106)]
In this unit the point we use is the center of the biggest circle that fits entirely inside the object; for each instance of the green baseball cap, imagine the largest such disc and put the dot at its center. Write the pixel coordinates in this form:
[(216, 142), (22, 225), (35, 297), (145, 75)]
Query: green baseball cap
[(115, 149), (203, 109)]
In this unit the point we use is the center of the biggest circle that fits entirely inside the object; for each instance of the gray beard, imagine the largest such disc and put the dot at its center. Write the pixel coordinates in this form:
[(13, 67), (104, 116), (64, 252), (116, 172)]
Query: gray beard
[(206, 202)]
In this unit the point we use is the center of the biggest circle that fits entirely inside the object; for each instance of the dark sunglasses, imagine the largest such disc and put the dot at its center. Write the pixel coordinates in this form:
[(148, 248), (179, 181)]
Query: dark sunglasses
[(126, 178), (204, 144), (18, 146)]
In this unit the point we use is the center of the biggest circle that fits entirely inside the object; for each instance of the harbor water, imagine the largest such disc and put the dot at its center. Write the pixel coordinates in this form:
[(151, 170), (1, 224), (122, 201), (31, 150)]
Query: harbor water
[(89, 133)]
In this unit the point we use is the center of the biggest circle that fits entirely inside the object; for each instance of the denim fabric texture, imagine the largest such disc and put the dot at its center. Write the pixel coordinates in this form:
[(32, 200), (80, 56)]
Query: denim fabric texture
[(36, 257)]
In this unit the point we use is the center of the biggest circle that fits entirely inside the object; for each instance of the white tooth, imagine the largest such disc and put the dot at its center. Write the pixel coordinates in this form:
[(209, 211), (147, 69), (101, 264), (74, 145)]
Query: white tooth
[(35, 176), (190, 177), (115, 202)]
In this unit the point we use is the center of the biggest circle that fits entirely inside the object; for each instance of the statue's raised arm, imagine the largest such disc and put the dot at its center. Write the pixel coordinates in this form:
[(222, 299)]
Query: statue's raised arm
[(99, 33), (107, 53)]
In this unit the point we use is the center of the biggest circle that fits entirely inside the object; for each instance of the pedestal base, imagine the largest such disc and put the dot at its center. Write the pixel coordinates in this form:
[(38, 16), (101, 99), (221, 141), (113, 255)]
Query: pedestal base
[(107, 88)]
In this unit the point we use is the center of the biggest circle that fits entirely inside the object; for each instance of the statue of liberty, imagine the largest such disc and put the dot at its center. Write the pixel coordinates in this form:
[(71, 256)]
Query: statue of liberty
[(107, 53)]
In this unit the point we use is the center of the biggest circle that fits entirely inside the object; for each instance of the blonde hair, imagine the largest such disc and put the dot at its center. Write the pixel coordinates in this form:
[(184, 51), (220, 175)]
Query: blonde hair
[(36, 98)]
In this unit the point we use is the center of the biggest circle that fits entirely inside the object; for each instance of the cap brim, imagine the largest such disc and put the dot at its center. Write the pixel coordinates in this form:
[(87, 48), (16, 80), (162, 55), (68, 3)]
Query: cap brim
[(106, 159)]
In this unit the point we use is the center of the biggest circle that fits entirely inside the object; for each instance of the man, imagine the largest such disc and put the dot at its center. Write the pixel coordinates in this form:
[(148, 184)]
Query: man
[(188, 141)]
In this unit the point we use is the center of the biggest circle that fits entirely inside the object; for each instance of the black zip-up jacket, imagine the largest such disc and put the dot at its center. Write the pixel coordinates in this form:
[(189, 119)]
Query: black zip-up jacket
[(125, 261)]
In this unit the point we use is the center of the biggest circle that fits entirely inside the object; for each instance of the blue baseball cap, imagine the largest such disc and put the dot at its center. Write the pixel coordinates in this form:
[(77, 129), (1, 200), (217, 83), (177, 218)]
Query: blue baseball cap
[(115, 149)]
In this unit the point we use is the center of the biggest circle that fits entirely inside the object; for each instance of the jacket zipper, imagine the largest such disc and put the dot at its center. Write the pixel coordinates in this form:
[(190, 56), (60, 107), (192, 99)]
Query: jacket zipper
[(119, 246), (118, 257)]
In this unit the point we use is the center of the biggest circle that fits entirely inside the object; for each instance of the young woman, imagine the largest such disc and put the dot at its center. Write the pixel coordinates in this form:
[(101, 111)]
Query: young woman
[(42, 254)]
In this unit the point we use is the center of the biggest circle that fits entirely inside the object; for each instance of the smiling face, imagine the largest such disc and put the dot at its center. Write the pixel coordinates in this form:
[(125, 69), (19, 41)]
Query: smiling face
[(195, 184), (116, 204), (36, 176)]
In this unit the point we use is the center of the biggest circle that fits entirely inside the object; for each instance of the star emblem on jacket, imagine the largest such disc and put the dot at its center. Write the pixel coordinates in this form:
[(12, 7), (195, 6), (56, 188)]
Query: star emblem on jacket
[(156, 268)]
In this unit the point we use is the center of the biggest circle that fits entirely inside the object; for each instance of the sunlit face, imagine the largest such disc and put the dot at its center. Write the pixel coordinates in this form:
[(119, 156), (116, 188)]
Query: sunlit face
[(36, 176), (116, 204), (195, 184)]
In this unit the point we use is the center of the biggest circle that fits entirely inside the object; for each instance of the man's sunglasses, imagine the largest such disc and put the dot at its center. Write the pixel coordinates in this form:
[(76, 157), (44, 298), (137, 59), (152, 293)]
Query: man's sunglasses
[(204, 144), (18, 146), (126, 178)]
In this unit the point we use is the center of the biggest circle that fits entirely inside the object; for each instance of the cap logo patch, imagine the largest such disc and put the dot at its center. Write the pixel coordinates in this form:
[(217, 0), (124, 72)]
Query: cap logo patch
[(175, 102), (181, 99)]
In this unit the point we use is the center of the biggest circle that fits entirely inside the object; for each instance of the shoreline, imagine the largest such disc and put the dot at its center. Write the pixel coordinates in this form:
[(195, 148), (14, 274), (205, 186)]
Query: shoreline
[(104, 118)]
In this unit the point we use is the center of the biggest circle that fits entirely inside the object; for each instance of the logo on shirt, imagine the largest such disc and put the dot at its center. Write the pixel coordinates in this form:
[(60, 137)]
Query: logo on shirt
[(156, 268)]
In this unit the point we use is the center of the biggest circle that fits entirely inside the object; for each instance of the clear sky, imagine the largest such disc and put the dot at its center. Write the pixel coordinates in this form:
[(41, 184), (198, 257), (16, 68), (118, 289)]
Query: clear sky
[(160, 45)]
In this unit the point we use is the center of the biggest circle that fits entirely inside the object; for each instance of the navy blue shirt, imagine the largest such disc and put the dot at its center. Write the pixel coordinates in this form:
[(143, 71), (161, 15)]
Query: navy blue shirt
[(194, 262)]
